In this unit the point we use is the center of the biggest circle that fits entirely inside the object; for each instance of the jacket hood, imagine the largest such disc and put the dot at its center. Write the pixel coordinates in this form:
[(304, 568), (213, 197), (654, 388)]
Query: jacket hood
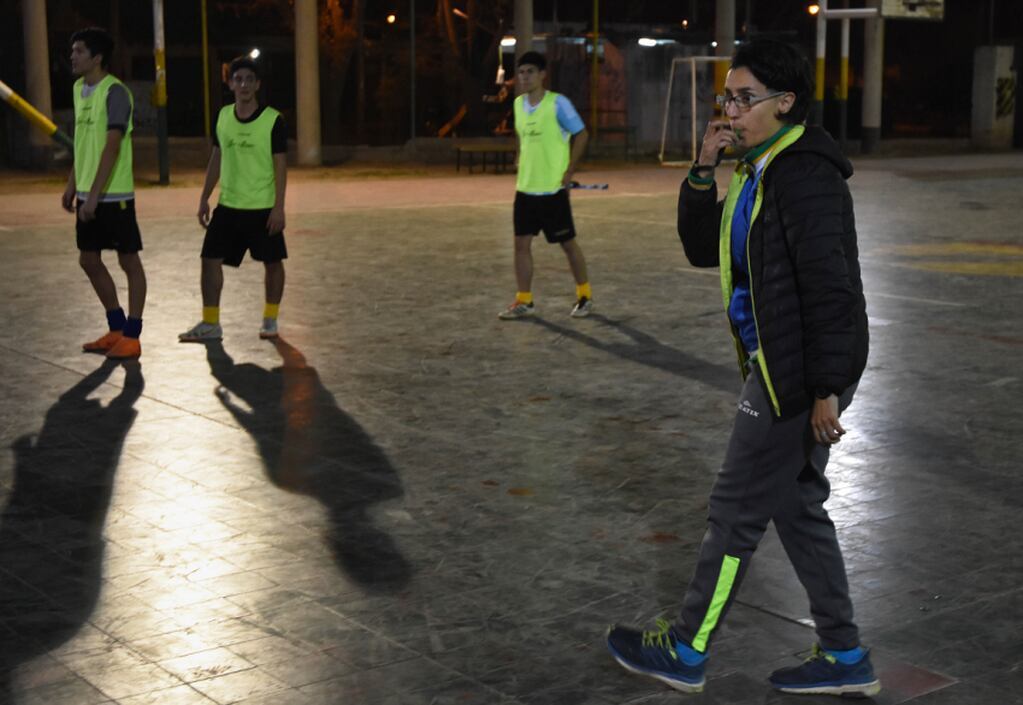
[(816, 140)]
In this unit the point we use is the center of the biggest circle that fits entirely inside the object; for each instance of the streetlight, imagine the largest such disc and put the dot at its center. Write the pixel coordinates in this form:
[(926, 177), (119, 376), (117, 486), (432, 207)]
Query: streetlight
[(392, 18), (813, 9)]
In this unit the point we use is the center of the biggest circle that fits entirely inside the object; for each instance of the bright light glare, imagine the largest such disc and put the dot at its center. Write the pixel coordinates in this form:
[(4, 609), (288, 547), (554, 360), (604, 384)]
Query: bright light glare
[(460, 14), (685, 24), (391, 19), (647, 42), (813, 9), (714, 44), (508, 42), (254, 53)]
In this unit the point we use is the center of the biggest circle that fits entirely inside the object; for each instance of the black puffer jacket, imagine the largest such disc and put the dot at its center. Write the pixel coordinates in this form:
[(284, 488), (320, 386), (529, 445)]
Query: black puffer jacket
[(803, 267)]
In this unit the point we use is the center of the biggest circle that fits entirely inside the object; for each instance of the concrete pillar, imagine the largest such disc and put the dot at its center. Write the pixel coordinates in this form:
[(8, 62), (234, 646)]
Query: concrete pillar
[(873, 78), (37, 64), (994, 93), (307, 84), (523, 28), (724, 35)]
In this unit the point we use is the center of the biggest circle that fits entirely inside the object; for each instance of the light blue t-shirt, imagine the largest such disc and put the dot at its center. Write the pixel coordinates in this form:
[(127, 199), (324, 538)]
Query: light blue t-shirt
[(568, 117), (568, 120)]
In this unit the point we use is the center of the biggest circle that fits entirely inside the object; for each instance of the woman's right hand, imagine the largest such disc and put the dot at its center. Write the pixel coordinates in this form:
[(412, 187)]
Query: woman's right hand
[(719, 135)]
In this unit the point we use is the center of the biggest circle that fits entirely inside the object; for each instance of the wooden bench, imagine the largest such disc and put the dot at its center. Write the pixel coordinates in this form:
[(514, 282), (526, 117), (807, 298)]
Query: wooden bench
[(503, 155)]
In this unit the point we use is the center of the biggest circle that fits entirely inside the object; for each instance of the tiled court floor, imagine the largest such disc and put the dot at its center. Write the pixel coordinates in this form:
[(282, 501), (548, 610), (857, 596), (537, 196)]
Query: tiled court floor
[(408, 501)]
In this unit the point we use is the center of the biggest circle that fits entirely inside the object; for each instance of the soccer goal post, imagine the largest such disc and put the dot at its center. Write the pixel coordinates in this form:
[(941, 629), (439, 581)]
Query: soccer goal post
[(671, 130)]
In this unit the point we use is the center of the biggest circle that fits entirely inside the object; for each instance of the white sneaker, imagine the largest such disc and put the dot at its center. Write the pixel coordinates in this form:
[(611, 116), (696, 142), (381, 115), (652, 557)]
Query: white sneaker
[(268, 329), (202, 331), (517, 310), (583, 307)]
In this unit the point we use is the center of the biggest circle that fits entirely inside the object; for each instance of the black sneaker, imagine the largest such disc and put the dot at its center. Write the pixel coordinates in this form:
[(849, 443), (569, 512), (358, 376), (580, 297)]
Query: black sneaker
[(653, 654), (823, 674)]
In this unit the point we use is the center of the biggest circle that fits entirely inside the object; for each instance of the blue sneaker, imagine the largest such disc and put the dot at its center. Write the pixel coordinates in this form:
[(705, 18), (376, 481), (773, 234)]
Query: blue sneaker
[(823, 674), (653, 654)]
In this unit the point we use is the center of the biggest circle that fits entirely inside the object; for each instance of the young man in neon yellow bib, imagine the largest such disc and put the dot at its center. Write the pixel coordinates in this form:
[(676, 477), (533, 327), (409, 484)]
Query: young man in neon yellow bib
[(250, 160), (545, 123), (101, 190)]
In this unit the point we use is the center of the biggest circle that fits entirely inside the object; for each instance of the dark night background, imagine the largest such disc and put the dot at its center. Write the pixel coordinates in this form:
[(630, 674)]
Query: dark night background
[(928, 65)]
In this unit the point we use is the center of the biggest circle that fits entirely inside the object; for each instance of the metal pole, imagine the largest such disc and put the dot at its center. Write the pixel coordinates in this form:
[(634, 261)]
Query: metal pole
[(724, 35), (843, 86), (37, 62), (595, 68), (873, 75), (412, 68), (817, 113), (160, 92), (523, 32), (205, 71), (692, 103)]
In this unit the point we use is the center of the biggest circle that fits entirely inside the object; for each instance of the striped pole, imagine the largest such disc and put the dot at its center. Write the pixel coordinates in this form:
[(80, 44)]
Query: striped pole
[(160, 92), (35, 117), (817, 114), (595, 69), (205, 71), (843, 85)]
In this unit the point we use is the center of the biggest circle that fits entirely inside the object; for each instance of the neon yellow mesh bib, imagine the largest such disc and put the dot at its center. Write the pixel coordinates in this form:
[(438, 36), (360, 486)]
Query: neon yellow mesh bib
[(543, 148), (247, 178), (91, 137)]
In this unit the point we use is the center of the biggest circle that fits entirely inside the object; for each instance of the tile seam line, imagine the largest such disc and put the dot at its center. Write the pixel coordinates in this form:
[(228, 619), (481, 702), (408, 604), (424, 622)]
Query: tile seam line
[(380, 635), (148, 397)]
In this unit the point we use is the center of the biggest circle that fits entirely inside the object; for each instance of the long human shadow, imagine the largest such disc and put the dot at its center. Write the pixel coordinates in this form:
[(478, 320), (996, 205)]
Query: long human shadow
[(51, 530), (647, 350), (310, 446)]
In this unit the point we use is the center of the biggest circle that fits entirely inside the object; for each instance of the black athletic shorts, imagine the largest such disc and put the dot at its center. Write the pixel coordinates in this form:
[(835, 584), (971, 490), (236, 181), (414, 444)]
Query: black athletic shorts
[(552, 214), (232, 231), (113, 228)]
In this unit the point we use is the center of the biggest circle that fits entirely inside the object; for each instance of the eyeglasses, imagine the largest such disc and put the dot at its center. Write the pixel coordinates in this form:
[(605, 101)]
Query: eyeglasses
[(743, 101)]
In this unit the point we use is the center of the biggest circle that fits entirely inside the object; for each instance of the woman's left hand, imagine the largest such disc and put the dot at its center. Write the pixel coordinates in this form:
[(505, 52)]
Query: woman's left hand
[(824, 421)]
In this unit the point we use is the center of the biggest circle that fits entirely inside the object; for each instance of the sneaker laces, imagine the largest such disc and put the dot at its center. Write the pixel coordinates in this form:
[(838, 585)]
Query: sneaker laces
[(659, 638), (818, 653)]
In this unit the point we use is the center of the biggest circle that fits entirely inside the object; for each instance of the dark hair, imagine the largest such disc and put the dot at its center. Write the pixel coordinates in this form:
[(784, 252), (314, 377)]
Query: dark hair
[(533, 58), (243, 62), (98, 41), (780, 67)]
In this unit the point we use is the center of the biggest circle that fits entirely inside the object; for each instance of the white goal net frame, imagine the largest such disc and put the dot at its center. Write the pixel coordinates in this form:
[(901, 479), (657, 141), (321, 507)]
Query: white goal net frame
[(692, 61)]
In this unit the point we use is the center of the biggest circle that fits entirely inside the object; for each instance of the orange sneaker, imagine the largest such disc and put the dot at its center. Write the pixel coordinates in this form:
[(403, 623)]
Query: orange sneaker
[(102, 345), (125, 348)]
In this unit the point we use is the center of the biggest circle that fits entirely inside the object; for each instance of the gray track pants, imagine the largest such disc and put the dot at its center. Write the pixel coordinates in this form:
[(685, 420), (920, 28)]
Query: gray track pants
[(773, 471)]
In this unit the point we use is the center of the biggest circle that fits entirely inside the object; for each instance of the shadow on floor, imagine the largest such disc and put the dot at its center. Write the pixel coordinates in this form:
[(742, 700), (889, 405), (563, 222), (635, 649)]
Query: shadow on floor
[(647, 350), (312, 447), (51, 531)]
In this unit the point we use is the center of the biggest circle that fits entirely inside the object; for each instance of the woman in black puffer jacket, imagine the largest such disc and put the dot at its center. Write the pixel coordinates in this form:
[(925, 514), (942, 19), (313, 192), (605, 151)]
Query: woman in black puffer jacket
[(785, 240)]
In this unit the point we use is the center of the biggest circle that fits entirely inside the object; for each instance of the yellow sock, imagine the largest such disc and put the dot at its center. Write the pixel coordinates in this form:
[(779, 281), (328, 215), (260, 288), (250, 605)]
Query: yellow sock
[(211, 315), (582, 290), (271, 310), (525, 297)]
